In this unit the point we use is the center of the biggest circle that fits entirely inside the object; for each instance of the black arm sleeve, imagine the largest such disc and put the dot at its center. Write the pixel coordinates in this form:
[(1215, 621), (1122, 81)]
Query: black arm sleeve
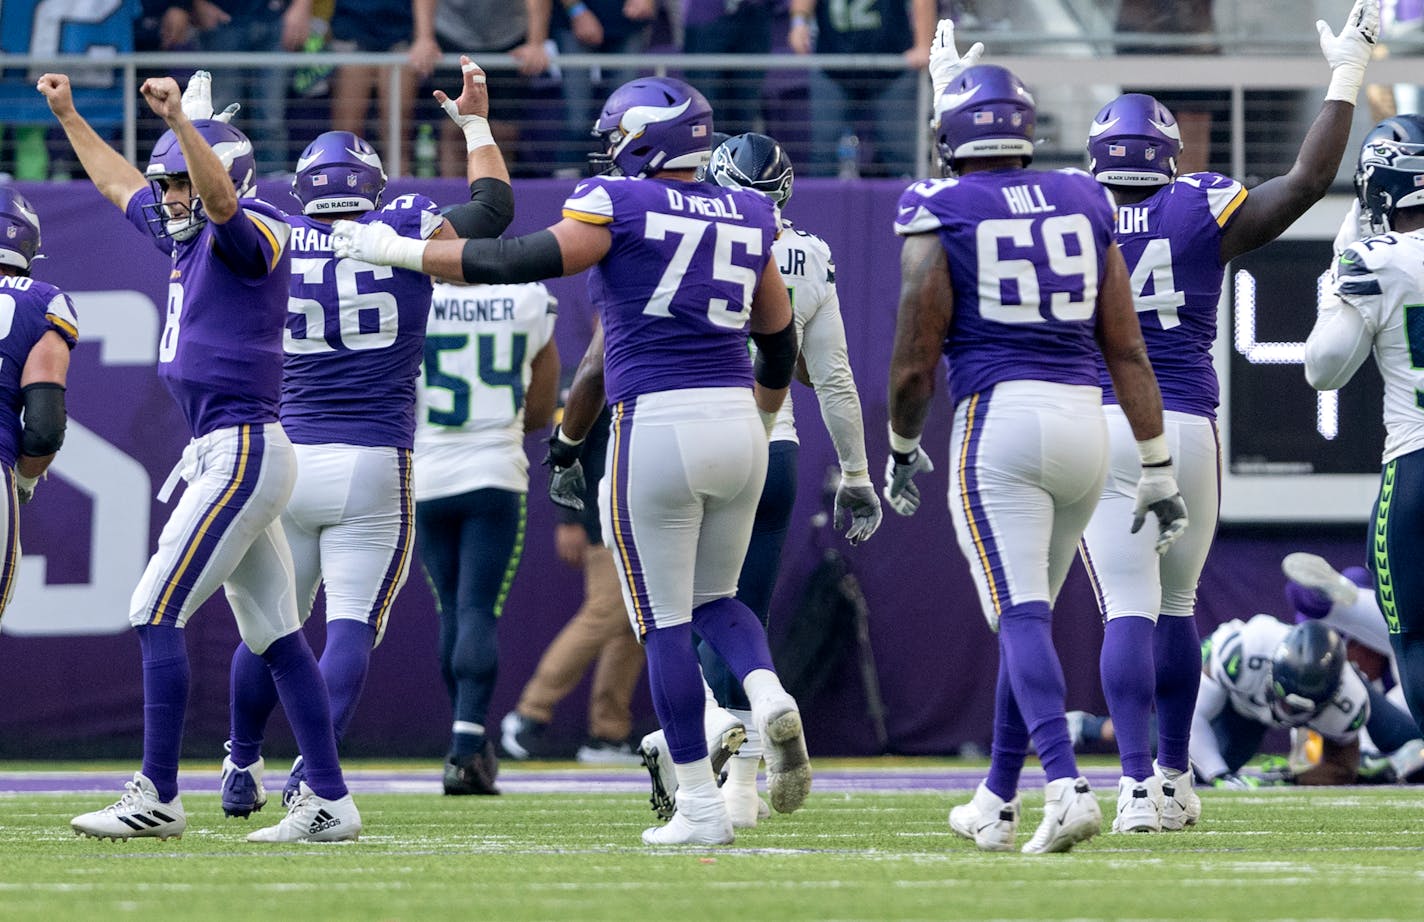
[(44, 419), (776, 357), (509, 262), (487, 214)]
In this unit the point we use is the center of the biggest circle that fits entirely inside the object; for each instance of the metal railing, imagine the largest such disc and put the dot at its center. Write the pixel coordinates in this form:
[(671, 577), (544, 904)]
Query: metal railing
[(1070, 87)]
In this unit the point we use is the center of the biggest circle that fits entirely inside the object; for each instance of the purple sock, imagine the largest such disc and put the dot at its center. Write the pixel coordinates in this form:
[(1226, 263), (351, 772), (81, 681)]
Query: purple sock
[(732, 629), (1010, 740), (165, 701), (1176, 650), (303, 694), (251, 697), (344, 664), (1307, 602), (675, 679), (1026, 650), (1129, 680)]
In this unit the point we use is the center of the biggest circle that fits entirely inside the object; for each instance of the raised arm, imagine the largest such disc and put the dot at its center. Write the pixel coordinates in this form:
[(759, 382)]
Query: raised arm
[(211, 182), (491, 206), (1275, 204), (115, 178)]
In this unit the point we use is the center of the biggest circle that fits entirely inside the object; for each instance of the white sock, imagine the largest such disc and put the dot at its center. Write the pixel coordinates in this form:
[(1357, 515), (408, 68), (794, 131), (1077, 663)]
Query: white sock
[(762, 686), (742, 770), (695, 779)]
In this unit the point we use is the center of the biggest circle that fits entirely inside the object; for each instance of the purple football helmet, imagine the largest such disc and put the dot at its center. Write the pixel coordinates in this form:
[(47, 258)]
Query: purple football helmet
[(1134, 141), (653, 124), (985, 112), (339, 172), (232, 148), (19, 230)]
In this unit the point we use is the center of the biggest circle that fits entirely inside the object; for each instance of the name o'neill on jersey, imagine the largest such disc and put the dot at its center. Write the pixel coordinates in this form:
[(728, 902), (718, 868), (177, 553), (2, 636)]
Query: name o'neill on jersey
[(721, 207), (472, 310)]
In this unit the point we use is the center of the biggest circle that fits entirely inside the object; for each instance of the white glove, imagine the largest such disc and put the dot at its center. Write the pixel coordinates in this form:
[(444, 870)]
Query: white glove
[(1349, 52), (858, 506), (197, 99), (900, 490), (945, 61), (25, 487), (1157, 493), (376, 243)]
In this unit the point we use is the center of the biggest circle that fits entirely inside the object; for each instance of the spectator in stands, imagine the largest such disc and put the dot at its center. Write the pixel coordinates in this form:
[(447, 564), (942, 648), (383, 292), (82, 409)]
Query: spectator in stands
[(381, 26), (844, 99), (729, 27), (598, 631), (479, 28), (583, 27), (264, 26)]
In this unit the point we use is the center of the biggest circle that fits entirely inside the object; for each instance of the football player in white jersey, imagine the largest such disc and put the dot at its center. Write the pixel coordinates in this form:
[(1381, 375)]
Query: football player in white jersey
[(1372, 303), (491, 375), (755, 161), (353, 348)]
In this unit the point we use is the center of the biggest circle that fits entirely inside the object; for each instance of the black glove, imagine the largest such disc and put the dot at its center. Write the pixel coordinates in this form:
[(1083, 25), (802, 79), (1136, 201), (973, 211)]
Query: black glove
[(566, 483)]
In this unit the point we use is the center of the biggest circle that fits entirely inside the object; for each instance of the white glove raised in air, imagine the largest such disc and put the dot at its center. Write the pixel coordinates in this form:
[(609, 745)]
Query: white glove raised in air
[(900, 490), (376, 243), (859, 507), (1158, 494), (1349, 52), (198, 99), (946, 62)]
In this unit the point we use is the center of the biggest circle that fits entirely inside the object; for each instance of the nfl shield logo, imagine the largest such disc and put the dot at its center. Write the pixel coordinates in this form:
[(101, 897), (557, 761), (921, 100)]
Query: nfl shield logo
[(351, 181), (983, 118), (12, 231), (1117, 150), (1151, 153), (319, 179)]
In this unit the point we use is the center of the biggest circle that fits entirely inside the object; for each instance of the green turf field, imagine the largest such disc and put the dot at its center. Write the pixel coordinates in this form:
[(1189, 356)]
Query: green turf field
[(1273, 854)]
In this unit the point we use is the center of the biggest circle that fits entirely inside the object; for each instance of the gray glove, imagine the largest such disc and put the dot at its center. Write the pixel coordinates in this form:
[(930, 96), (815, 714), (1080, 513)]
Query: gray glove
[(900, 490), (25, 487), (861, 506), (1157, 493), (566, 483)]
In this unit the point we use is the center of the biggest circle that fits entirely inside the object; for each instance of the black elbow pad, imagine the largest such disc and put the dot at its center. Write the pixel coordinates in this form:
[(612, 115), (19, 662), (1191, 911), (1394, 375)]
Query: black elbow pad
[(530, 258), (44, 419), (487, 214), (776, 357)]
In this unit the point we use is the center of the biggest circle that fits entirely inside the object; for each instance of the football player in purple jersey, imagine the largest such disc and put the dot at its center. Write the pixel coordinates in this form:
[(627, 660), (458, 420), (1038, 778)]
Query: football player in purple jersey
[(681, 268), (354, 345), (221, 357), (40, 330), (1013, 275), (1177, 233)]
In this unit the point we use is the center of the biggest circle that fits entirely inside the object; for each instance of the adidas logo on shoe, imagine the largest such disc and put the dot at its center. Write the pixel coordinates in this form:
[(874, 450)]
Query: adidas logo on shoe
[(323, 822)]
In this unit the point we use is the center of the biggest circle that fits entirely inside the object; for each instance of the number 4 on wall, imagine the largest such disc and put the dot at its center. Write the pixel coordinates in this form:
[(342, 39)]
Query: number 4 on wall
[(1327, 403)]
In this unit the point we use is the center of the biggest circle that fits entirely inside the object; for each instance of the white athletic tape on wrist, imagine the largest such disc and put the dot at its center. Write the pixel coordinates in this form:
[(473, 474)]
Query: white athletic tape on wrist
[(1345, 82), (903, 445), (1154, 450)]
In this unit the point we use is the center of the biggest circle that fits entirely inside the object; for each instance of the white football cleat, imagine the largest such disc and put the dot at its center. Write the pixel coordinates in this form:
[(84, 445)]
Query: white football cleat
[(1315, 572), (725, 735), (1181, 806), (241, 788), (1139, 805), (314, 819), (698, 821), (987, 820), (788, 766), (739, 791), (1070, 815), (138, 813)]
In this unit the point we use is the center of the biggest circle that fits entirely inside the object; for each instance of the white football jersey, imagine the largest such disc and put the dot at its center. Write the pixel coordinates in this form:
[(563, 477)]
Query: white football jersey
[(1383, 278), (810, 273), (479, 346), (1238, 659)]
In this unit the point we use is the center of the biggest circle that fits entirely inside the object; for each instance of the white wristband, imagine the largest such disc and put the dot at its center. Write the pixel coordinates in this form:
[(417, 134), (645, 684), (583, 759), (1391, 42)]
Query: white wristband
[(1345, 82), (477, 133), (406, 253), (27, 482), (856, 479), (901, 444), (566, 440), (1154, 450)]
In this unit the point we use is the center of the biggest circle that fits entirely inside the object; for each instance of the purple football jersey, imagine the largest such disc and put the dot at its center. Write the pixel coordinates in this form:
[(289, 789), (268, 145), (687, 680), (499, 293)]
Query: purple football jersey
[(355, 335), (1027, 251), (28, 310), (1172, 244), (676, 286), (221, 350)]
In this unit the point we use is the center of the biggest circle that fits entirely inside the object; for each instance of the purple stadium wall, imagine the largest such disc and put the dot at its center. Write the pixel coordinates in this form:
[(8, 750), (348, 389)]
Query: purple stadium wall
[(69, 670)]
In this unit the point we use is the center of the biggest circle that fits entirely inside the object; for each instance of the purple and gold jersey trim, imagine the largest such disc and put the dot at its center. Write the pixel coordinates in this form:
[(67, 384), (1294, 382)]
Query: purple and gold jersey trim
[(213, 524), (1229, 211), (586, 218), (271, 238), (622, 521), (400, 560), (986, 547)]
